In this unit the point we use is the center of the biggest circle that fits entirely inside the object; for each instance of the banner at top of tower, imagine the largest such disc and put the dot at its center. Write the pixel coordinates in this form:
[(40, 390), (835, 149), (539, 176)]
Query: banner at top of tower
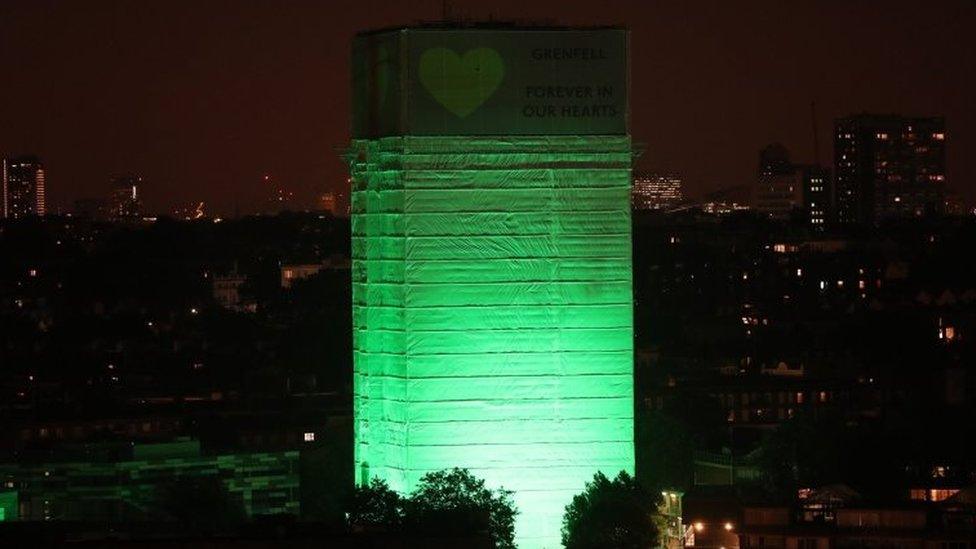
[(442, 81)]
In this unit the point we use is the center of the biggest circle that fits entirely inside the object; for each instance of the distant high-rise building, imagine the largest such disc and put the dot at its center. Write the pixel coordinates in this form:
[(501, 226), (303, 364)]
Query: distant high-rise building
[(23, 187), (774, 159), (817, 195), (655, 191), (888, 166), (779, 189), (125, 202), (785, 189), (329, 203)]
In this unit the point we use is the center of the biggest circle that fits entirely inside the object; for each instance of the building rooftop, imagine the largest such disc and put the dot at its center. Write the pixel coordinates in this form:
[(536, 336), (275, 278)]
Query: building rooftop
[(493, 25)]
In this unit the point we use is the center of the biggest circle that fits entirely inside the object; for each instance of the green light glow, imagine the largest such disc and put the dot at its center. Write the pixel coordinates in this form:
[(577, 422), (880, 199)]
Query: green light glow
[(492, 313)]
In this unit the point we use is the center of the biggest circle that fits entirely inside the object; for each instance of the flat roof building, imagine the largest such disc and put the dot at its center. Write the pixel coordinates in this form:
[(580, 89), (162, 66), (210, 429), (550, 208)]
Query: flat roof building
[(889, 166), (23, 187)]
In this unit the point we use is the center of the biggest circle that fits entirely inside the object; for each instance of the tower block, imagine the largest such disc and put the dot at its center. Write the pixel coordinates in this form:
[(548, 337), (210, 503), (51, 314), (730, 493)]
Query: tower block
[(492, 300)]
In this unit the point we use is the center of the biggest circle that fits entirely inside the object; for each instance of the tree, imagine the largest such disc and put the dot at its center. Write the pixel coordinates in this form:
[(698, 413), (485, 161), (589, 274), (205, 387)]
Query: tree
[(375, 505), (454, 500), (612, 513)]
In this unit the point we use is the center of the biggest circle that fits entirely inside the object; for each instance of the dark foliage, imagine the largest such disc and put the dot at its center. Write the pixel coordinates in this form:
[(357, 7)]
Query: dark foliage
[(448, 502), (200, 505), (374, 506), (454, 500), (612, 513)]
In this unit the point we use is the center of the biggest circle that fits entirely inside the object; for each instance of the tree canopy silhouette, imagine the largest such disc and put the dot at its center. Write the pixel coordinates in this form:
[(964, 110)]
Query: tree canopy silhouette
[(612, 513), (374, 506), (452, 501)]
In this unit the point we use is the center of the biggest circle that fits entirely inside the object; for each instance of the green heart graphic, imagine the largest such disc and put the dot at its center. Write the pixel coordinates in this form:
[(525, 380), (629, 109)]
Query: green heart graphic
[(461, 83)]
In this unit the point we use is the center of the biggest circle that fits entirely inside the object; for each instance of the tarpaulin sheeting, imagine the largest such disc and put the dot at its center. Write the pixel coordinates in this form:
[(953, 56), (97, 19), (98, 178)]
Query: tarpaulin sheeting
[(492, 314)]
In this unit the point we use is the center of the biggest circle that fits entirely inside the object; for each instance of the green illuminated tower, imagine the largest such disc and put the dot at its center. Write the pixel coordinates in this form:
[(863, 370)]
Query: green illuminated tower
[(492, 302)]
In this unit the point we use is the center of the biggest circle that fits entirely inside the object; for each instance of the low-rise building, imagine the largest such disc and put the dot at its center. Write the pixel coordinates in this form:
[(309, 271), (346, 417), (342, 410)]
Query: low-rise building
[(227, 292), (846, 522), (127, 489)]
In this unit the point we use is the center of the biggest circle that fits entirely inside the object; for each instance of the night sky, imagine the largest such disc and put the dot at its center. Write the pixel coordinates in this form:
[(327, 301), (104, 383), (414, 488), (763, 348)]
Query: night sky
[(204, 97)]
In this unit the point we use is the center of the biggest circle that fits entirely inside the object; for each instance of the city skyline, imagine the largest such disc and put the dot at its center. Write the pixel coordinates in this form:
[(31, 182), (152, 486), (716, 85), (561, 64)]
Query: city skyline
[(203, 115)]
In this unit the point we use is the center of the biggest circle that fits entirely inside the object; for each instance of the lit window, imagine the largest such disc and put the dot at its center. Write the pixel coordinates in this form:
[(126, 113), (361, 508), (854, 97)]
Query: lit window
[(941, 494), (309, 437)]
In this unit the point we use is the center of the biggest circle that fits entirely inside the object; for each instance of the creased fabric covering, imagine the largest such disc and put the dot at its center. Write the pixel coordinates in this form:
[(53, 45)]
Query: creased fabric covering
[(492, 314)]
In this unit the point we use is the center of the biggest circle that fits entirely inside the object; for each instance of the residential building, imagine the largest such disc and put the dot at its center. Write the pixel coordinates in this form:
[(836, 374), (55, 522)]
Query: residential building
[(125, 202), (227, 292), (126, 489), (889, 166), (23, 187), (827, 522), (328, 202), (779, 189), (817, 195), (785, 190), (656, 191)]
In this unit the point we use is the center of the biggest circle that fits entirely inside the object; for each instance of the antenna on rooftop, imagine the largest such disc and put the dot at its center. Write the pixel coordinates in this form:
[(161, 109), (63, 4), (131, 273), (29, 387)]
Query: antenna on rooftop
[(816, 140)]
